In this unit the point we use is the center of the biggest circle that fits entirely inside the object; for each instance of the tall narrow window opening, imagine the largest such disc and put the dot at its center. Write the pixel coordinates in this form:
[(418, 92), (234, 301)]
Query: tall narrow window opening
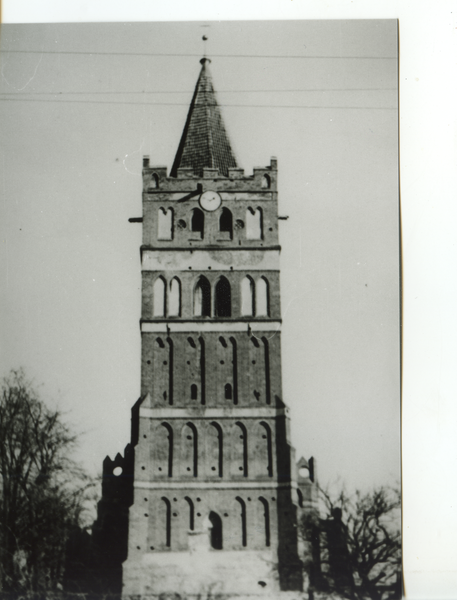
[(216, 531), (266, 181), (262, 298), (167, 431), (191, 512), (254, 224), (243, 447), (243, 521), (197, 224), (193, 392), (202, 370), (174, 299), (228, 391), (223, 298), (158, 297), (266, 519), (226, 222), (170, 371), (202, 298), (266, 349), (167, 523), (220, 447), (165, 224), (267, 446), (235, 370), (247, 297)]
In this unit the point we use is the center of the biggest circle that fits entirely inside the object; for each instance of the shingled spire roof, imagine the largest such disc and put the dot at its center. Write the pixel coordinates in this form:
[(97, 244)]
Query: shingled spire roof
[(204, 142)]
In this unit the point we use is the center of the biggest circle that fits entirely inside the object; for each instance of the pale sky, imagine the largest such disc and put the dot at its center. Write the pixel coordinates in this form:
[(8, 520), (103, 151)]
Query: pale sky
[(78, 112)]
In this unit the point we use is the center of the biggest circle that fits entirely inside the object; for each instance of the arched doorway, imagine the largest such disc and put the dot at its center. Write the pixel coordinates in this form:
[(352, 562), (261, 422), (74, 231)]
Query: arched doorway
[(216, 531)]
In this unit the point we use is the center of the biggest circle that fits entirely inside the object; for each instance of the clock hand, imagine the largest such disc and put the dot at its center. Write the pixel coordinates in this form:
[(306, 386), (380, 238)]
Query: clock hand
[(192, 194)]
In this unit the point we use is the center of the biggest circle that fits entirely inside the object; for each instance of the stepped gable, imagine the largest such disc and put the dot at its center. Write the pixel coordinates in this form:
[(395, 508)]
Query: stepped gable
[(204, 142)]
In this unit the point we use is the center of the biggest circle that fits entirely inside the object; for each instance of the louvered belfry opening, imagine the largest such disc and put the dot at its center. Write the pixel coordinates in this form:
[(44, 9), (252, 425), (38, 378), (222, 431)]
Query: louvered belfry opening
[(204, 142)]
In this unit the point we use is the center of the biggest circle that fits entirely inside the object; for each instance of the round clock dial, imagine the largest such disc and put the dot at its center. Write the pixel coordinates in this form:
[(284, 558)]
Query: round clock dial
[(210, 200)]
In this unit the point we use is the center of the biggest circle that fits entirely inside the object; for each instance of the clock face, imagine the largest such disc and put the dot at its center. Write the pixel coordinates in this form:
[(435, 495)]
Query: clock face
[(210, 200)]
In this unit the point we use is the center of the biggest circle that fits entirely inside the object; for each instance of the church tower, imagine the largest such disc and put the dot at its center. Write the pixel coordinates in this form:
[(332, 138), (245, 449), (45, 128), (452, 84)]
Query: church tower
[(217, 499)]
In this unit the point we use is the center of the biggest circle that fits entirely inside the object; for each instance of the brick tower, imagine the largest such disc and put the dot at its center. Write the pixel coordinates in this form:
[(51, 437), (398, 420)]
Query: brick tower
[(217, 499)]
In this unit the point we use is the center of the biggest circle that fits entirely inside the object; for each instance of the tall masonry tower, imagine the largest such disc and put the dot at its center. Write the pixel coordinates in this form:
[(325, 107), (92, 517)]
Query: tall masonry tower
[(217, 496)]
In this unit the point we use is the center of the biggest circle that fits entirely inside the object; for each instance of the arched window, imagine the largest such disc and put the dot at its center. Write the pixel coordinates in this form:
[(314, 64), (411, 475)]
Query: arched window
[(240, 450), (266, 519), (193, 392), (191, 512), (154, 183), (265, 449), (266, 354), (201, 342), (243, 521), (228, 391), (235, 370), (165, 231), (215, 448), (223, 298), (174, 299), (166, 512), (164, 449), (247, 297), (202, 298), (262, 299), (254, 224), (189, 449), (158, 297), (226, 222), (216, 531), (266, 181), (197, 224)]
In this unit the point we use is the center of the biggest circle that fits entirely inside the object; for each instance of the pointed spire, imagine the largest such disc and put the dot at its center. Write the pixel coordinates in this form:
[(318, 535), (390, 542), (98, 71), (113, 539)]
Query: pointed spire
[(204, 142)]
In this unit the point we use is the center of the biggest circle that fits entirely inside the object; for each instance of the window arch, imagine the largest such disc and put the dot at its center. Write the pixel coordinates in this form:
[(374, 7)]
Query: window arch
[(191, 512), (266, 451), (226, 222), (266, 518), (174, 299), (165, 224), (158, 297), (223, 306), (266, 181), (164, 449), (201, 342), (247, 297), (266, 354), (202, 298), (235, 370), (154, 183), (254, 224), (240, 450), (262, 297), (216, 449), (244, 536), (193, 392), (216, 530), (166, 509), (197, 223), (189, 449), (228, 391)]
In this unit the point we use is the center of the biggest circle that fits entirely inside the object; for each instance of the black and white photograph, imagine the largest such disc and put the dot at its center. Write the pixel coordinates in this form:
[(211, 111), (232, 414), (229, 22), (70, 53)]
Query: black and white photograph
[(200, 310)]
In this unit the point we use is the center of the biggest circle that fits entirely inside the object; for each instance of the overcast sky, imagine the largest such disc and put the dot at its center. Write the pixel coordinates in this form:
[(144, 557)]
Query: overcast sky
[(78, 111)]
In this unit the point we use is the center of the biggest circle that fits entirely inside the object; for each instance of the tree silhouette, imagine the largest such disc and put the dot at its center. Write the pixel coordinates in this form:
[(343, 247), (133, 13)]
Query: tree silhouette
[(42, 490)]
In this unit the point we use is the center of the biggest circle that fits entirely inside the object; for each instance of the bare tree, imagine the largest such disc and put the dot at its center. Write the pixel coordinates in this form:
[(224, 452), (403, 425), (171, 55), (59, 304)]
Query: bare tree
[(42, 490), (360, 545)]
